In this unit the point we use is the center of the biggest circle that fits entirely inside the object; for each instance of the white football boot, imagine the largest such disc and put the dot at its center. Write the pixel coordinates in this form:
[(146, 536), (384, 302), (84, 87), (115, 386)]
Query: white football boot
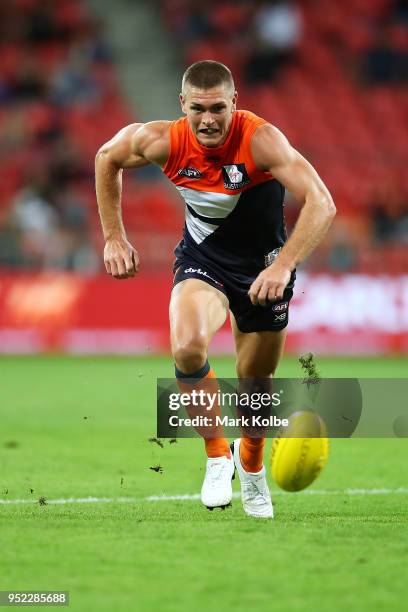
[(255, 495), (216, 491)]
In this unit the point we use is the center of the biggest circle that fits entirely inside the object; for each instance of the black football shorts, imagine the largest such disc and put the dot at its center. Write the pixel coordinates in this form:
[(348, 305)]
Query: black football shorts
[(249, 318)]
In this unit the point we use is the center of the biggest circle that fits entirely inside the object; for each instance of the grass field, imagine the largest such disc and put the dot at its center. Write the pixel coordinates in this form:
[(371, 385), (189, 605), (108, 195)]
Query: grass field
[(74, 428)]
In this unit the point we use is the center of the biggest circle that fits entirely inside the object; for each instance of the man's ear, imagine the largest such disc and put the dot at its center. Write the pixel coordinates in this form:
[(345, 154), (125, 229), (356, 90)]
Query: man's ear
[(234, 101), (182, 103)]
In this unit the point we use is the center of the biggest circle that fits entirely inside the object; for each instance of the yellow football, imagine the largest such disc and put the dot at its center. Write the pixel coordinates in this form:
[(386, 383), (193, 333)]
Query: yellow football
[(300, 451)]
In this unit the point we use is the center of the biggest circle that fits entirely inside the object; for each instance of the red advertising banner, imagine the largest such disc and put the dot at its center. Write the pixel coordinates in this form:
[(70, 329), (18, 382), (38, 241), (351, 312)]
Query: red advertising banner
[(345, 314)]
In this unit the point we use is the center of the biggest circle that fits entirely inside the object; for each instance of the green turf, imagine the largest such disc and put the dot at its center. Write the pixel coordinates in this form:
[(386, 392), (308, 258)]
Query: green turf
[(80, 427)]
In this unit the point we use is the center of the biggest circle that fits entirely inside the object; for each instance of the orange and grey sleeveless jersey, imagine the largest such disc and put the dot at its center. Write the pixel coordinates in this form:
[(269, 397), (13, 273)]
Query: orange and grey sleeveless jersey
[(234, 211)]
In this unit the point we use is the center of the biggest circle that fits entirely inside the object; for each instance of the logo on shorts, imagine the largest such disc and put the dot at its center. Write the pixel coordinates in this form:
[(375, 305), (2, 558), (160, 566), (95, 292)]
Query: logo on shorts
[(235, 176), (202, 273), (280, 317), (280, 307), (192, 173)]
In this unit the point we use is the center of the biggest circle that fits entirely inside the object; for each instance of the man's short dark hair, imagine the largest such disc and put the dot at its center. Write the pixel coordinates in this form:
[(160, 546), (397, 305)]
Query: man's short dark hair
[(208, 74)]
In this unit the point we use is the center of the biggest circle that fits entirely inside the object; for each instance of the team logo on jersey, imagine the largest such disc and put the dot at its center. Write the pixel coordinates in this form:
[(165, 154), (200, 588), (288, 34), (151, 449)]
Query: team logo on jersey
[(235, 176), (192, 173)]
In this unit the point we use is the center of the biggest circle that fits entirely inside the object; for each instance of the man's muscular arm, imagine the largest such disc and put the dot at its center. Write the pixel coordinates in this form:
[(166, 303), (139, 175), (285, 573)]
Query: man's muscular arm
[(272, 152), (134, 146)]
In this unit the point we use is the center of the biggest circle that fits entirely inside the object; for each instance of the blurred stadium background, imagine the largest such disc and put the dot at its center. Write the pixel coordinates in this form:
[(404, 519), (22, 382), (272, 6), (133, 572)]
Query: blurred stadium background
[(331, 75)]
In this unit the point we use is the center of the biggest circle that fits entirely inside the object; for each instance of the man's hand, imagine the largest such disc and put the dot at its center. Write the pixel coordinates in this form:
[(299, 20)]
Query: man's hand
[(121, 259), (269, 284)]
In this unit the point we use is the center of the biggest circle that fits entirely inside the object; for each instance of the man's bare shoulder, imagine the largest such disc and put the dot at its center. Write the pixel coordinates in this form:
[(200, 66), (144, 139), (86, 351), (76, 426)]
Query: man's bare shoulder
[(269, 145), (137, 145), (270, 134), (152, 141)]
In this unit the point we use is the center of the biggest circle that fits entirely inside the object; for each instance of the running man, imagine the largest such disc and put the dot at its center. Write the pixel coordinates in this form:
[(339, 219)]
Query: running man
[(231, 168)]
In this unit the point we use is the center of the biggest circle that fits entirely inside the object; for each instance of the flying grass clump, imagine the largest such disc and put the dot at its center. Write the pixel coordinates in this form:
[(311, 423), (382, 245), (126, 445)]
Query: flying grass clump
[(156, 441), (308, 364), (157, 468)]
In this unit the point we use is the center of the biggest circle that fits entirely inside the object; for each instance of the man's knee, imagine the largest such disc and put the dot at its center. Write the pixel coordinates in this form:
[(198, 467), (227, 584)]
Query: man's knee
[(248, 369), (190, 352)]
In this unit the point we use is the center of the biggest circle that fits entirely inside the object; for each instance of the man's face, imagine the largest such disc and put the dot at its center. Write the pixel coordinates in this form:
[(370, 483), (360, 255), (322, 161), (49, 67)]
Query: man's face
[(209, 112)]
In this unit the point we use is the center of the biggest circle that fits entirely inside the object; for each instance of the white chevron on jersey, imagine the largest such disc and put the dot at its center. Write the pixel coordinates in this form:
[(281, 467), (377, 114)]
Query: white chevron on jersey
[(198, 229), (207, 204)]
